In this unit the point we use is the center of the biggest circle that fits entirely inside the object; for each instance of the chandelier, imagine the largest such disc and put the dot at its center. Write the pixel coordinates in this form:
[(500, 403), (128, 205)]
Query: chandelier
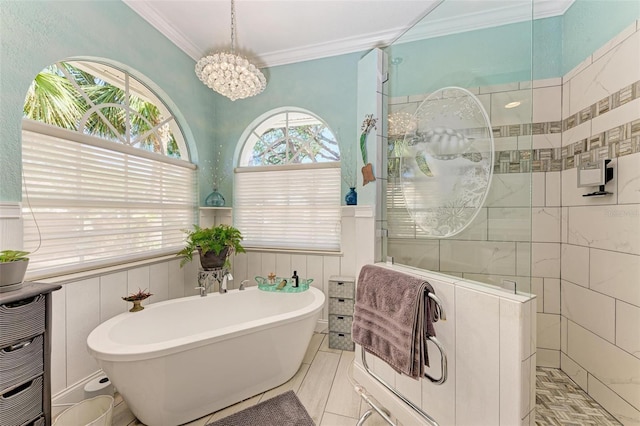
[(229, 74), (400, 123)]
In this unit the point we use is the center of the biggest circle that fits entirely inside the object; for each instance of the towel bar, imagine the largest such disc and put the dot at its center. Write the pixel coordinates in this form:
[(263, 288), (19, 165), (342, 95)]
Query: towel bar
[(443, 378)]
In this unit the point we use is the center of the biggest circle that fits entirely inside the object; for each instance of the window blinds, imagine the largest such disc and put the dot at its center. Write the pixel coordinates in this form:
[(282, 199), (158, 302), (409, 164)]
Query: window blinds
[(96, 206), (289, 207)]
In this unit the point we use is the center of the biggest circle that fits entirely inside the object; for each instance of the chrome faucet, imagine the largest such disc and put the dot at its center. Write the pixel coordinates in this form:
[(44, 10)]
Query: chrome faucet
[(205, 283), (223, 284), (242, 284)]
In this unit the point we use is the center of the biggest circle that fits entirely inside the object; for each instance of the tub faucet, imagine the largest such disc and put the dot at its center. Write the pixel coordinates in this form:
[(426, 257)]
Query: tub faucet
[(242, 284), (204, 288), (204, 283), (223, 284)]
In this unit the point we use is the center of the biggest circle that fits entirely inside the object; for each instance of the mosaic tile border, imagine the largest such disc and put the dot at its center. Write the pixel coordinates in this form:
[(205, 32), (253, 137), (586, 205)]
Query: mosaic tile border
[(616, 142), (611, 102), (511, 130)]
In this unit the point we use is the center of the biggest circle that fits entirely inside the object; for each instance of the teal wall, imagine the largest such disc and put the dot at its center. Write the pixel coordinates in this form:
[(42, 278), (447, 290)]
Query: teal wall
[(35, 34), (548, 48), (326, 87), (504, 54), (589, 24)]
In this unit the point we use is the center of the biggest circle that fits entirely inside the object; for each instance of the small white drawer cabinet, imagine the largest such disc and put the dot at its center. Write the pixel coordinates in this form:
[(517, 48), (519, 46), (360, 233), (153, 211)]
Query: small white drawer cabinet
[(25, 355), (341, 302)]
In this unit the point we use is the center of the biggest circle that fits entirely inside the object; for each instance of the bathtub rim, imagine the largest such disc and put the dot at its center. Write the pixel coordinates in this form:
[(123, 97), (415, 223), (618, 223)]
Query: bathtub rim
[(124, 353)]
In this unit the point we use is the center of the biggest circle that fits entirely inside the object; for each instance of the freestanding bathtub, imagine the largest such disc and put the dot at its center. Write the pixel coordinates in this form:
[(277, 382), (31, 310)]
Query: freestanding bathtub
[(179, 360)]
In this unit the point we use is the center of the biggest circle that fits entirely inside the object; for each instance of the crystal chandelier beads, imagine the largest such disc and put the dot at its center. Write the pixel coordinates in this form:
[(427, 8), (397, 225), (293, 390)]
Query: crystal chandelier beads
[(229, 74), (400, 123)]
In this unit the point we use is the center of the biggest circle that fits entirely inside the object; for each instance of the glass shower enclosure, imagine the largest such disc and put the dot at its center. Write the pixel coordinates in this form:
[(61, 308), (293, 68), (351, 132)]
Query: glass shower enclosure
[(459, 143)]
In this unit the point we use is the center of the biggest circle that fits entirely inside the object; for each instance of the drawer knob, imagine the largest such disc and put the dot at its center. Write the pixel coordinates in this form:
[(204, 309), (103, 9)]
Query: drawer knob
[(340, 283), (341, 300), (340, 318), (341, 334)]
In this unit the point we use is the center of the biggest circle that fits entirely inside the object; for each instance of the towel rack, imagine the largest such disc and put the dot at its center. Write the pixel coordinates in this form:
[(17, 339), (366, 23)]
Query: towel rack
[(443, 378)]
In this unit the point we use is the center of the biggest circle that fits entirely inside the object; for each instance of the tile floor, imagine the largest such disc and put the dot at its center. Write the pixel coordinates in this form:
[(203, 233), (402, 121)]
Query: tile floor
[(323, 387)]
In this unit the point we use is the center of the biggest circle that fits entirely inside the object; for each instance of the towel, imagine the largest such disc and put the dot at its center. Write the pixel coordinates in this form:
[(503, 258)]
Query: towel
[(393, 318)]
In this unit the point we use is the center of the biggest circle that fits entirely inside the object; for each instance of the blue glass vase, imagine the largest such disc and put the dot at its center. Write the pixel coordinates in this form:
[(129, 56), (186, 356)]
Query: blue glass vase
[(215, 199), (351, 198)]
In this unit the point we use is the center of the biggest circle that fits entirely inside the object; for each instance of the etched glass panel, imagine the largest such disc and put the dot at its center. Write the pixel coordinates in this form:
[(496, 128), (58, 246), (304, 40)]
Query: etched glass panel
[(446, 164)]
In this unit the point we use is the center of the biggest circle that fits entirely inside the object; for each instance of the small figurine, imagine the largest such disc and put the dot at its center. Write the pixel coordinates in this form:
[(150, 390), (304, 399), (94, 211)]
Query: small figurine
[(367, 170), (137, 299), (272, 278)]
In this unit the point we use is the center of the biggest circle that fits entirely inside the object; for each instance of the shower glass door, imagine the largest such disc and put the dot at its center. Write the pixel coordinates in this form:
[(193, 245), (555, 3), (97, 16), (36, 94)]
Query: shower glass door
[(460, 130)]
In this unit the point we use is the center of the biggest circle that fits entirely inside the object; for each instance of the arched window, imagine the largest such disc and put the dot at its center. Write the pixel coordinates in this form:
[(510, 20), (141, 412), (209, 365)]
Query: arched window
[(287, 183), (107, 176)]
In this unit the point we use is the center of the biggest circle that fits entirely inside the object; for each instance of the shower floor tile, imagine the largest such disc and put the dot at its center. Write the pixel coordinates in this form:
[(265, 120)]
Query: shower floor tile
[(560, 401)]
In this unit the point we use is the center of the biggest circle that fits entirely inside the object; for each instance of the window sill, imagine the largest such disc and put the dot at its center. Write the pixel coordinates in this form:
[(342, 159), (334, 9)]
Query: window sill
[(294, 251), (65, 277)]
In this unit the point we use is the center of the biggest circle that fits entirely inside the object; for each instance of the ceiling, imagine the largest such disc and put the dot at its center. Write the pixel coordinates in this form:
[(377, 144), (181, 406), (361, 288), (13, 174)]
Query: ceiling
[(278, 32)]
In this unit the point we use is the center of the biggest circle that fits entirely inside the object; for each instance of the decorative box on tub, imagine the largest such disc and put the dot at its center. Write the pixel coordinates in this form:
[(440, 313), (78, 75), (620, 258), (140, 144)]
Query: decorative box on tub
[(341, 301)]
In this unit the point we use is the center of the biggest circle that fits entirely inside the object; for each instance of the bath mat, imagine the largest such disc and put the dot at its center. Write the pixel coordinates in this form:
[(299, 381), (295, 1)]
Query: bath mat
[(282, 410)]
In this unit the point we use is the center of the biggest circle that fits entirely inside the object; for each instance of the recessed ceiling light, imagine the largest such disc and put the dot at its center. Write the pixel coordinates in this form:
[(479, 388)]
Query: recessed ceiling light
[(512, 104)]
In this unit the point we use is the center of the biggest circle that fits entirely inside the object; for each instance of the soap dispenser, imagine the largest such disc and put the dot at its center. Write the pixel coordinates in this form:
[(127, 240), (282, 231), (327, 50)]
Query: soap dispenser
[(295, 280)]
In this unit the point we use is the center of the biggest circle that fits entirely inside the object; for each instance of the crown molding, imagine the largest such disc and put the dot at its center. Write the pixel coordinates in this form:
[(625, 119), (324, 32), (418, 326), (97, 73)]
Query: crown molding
[(508, 14), (331, 48), (549, 8), (149, 13), (511, 13)]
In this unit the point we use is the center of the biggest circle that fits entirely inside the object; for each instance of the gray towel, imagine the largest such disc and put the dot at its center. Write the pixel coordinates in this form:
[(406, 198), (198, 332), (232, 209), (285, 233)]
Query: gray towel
[(393, 317)]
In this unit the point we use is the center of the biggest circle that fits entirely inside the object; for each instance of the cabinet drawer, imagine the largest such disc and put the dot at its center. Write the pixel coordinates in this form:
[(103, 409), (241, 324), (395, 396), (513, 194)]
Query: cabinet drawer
[(340, 306), (21, 404), (38, 422), (21, 361), (342, 289), (340, 323), (341, 341), (20, 320)]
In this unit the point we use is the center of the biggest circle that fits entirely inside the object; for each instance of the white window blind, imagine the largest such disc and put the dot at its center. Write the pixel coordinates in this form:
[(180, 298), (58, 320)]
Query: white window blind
[(98, 203), (290, 207)]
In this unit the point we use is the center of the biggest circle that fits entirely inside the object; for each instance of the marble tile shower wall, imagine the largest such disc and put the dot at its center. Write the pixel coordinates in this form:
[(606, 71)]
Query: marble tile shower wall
[(585, 252), (508, 239), (600, 239)]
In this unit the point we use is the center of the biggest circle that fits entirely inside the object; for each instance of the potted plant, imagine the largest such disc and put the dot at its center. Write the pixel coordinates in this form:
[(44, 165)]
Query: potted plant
[(137, 299), (214, 245), (13, 266)]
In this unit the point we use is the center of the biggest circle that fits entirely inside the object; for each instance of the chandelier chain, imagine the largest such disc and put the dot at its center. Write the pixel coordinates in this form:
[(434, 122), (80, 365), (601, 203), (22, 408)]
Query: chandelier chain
[(233, 26)]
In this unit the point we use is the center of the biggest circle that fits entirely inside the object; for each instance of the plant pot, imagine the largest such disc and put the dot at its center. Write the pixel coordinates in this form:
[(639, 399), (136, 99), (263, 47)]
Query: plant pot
[(12, 275), (137, 306), (211, 260)]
